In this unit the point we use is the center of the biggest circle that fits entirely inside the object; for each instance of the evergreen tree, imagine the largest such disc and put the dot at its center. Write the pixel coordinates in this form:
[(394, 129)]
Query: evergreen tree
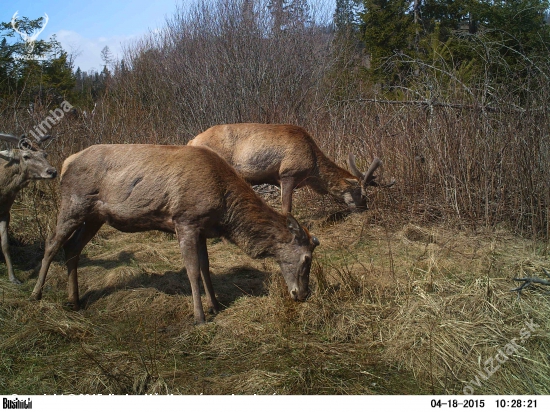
[(387, 29), (464, 33), (346, 15), (41, 72)]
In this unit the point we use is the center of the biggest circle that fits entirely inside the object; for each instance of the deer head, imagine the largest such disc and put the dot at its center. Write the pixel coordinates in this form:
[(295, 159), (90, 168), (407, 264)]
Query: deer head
[(32, 161)]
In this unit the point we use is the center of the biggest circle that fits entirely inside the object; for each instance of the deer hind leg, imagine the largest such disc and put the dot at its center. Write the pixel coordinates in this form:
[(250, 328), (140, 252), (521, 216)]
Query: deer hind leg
[(73, 248), (287, 187), (63, 231), (188, 238), (6, 249), (205, 273)]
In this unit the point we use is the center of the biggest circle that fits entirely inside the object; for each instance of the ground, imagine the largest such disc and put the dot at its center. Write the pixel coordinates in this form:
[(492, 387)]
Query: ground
[(396, 309)]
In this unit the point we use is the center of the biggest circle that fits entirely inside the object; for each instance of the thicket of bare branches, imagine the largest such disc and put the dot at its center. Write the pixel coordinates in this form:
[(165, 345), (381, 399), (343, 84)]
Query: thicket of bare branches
[(460, 146), (224, 62)]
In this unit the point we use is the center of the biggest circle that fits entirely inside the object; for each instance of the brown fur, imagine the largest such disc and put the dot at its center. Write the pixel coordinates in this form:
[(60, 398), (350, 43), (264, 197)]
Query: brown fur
[(189, 191), (17, 169), (283, 155)]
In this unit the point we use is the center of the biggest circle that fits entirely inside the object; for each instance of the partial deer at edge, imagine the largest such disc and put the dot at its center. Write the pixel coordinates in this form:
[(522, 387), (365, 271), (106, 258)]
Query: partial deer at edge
[(17, 168)]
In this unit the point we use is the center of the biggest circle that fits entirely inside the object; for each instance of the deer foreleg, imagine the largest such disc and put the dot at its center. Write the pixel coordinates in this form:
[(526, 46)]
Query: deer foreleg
[(62, 233), (205, 273), (287, 187), (5, 248), (189, 245)]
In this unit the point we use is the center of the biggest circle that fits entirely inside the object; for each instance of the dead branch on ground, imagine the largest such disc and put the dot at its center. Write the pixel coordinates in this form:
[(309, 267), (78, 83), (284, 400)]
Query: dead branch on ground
[(530, 280)]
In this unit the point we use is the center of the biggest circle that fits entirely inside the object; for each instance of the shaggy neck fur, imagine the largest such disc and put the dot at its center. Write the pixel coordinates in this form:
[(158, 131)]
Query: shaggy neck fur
[(253, 226), (330, 176)]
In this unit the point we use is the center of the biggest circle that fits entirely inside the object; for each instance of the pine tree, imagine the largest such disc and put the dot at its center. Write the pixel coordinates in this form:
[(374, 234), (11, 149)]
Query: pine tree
[(41, 72), (346, 15), (387, 29), (513, 32)]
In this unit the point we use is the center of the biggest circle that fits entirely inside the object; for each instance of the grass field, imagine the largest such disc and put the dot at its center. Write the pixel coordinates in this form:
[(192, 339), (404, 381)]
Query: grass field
[(397, 308)]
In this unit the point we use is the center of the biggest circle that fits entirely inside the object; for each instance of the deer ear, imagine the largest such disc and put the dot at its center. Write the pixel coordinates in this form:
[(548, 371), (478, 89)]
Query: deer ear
[(6, 155), (352, 181), (295, 228), (25, 144)]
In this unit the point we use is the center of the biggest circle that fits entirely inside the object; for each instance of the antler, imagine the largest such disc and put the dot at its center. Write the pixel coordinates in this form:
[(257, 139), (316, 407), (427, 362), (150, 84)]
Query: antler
[(373, 182), (367, 179), (352, 166), (9, 138), (42, 139), (23, 142)]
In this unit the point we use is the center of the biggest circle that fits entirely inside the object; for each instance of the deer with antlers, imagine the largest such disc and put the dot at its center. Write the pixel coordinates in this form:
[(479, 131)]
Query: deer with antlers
[(287, 156), (17, 168)]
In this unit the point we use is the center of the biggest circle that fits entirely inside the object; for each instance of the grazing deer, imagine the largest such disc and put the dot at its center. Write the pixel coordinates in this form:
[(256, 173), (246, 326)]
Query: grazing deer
[(287, 156), (189, 191), (17, 168)]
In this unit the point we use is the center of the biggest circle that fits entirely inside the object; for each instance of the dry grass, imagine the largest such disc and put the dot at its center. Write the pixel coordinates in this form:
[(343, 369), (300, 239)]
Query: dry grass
[(396, 309)]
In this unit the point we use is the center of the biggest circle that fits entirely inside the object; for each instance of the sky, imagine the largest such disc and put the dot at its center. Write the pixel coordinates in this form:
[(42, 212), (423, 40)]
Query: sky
[(84, 28)]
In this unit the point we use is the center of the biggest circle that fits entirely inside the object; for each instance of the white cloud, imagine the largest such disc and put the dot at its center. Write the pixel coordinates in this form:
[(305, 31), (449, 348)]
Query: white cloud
[(88, 51)]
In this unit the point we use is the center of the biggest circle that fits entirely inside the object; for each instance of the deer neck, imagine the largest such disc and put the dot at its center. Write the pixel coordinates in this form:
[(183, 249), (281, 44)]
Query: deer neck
[(12, 180), (254, 226), (331, 177)]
